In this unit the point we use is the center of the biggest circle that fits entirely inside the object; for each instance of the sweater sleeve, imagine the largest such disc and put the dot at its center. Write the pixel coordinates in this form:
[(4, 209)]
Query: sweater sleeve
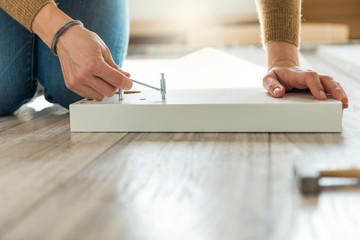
[(280, 20), (23, 11)]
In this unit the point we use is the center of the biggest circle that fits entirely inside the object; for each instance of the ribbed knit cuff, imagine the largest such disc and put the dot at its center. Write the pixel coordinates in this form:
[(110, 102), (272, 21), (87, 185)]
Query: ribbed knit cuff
[(24, 11), (280, 20)]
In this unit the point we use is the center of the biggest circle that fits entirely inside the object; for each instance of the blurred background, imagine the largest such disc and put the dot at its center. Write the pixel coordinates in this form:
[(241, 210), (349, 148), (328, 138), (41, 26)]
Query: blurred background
[(201, 23)]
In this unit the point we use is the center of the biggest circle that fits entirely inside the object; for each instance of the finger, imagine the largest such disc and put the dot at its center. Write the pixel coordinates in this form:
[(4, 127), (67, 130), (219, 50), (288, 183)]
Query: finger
[(335, 89), (108, 58), (88, 92), (126, 73), (101, 86), (312, 81), (273, 86), (81, 79), (110, 75), (122, 71)]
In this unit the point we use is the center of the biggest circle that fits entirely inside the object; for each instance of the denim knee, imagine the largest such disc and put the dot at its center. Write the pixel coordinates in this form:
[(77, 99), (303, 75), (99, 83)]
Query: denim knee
[(8, 109), (17, 82), (61, 96), (10, 104)]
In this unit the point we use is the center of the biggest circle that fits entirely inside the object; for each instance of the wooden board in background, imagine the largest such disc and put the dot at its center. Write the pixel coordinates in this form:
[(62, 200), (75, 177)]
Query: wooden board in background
[(334, 11), (232, 31)]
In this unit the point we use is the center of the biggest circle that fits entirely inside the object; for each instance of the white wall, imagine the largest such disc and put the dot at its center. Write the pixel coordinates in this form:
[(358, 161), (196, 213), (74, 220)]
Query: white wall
[(179, 9)]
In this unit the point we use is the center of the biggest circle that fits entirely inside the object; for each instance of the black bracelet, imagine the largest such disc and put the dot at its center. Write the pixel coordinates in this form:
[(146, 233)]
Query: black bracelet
[(61, 31)]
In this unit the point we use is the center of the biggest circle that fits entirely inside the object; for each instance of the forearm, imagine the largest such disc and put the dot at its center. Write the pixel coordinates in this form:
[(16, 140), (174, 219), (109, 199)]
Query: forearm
[(23, 11), (280, 27), (48, 21), (280, 20)]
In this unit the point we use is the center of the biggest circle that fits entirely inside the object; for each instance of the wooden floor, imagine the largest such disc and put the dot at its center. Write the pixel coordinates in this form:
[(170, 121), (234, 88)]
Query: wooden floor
[(55, 184)]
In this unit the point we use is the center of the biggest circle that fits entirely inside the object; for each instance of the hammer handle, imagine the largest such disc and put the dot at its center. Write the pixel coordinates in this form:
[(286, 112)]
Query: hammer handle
[(341, 173)]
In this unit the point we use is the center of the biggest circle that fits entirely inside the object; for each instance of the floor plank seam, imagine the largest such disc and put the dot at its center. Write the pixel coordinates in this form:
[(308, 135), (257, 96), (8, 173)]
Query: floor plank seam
[(33, 206)]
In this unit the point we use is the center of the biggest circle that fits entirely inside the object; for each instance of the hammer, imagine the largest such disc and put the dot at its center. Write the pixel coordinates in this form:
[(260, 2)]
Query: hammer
[(308, 179)]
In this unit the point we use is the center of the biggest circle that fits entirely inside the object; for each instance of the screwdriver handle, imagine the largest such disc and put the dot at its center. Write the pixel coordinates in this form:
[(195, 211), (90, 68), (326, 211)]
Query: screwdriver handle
[(342, 173)]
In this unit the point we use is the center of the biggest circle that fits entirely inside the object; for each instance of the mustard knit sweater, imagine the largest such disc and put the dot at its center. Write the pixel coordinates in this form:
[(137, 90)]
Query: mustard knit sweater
[(279, 19)]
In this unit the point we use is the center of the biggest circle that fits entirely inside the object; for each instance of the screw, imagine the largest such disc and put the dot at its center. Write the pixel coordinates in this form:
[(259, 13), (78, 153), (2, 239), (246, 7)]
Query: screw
[(121, 94), (163, 86)]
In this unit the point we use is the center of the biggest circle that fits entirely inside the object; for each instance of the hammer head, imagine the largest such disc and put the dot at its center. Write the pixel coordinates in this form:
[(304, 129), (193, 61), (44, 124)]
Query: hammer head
[(309, 184), (307, 178)]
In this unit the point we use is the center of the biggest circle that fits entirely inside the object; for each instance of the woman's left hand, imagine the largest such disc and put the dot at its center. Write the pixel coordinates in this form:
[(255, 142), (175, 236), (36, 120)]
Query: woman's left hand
[(285, 74)]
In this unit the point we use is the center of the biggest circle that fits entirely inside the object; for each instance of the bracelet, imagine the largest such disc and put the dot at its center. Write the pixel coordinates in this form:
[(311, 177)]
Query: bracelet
[(61, 31)]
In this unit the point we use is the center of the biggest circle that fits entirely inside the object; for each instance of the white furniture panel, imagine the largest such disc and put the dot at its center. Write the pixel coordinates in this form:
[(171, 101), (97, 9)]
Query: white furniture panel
[(208, 91), (207, 110)]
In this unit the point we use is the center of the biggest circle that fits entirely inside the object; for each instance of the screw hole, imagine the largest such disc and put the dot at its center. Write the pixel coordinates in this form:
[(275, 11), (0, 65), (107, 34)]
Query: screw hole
[(142, 99)]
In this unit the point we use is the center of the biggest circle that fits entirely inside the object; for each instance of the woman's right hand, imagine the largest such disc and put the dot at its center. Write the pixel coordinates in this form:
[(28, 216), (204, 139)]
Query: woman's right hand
[(87, 65), (86, 62)]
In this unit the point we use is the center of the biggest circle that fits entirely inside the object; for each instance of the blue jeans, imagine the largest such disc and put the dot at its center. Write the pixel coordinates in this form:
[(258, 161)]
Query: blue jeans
[(25, 60)]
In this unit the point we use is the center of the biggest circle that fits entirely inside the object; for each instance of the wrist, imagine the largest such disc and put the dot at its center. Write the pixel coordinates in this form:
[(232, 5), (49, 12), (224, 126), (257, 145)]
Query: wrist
[(48, 21), (67, 39), (282, 54)]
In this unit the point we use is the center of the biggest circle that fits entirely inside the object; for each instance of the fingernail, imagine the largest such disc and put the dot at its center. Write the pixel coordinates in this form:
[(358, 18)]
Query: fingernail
[(344, 95), (323, 95), (276, 90)]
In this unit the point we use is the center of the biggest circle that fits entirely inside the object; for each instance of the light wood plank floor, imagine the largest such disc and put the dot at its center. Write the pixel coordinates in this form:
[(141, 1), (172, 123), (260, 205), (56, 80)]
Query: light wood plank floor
[(55, 184)]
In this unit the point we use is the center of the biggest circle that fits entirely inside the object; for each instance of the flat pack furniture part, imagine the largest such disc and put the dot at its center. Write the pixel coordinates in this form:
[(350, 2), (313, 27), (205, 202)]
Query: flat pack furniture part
[(344, 57), (207, 91), (207, 110)]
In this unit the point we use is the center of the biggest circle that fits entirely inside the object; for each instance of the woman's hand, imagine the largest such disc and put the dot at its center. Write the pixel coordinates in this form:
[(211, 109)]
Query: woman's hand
[(86, 62), (285, 74), (87, 65)]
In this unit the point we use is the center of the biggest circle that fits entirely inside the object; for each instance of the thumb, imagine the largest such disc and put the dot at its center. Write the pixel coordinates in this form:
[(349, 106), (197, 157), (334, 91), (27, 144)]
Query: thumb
[(273, 86)]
